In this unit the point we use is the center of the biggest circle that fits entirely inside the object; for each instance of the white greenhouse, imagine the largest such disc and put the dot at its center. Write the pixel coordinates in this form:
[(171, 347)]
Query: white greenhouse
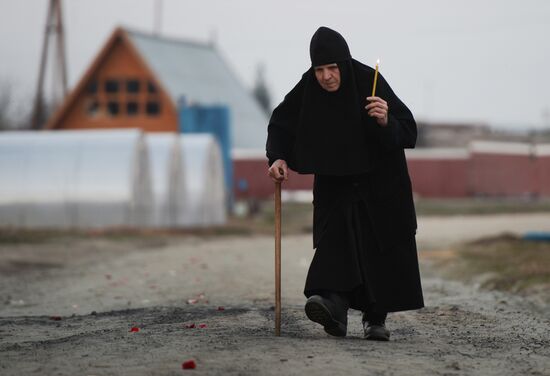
[(167, 178), (74, 179), (204, 181), (110, 178), (187, 177)]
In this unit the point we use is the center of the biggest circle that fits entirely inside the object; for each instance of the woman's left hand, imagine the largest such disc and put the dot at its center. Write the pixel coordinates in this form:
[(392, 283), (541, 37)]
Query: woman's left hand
[(378, 109)]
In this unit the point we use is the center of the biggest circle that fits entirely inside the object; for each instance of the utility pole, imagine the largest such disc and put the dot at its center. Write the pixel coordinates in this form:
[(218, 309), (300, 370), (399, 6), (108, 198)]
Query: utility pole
[(54, 29)]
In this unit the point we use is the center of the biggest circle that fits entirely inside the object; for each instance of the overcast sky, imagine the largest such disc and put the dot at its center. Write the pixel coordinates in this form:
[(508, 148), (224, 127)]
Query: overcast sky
[(470, 60)]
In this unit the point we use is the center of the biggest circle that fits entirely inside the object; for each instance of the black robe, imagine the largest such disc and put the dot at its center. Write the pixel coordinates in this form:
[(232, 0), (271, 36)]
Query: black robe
[(364, 222)]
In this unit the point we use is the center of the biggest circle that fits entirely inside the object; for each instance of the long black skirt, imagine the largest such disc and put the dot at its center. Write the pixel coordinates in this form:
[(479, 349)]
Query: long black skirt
[(349, 256)]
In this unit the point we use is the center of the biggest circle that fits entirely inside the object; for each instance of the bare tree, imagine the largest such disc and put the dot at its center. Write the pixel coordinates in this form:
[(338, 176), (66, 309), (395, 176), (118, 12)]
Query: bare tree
[(5, 105), (261, 91), (14, 114)]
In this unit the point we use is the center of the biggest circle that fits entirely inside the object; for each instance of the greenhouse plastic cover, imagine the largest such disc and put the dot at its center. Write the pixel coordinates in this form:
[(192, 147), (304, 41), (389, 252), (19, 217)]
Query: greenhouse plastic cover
[(106, 178), (167, 178), (204, 181), (74, 179)]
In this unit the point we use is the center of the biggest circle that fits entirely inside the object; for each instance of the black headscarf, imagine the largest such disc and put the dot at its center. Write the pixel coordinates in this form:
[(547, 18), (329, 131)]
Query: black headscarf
[(329, 133), (328, 46)]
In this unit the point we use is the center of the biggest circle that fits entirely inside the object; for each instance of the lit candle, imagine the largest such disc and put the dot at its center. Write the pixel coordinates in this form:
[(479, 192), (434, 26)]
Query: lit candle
[(375, 78)]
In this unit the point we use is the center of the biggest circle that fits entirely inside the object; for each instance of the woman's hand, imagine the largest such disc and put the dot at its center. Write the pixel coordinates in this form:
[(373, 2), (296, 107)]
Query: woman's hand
[(378, 109), (278, 171)]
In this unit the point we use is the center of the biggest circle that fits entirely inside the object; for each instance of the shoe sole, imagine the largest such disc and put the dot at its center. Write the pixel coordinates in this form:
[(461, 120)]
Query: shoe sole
[(319, 313), (385, 336)]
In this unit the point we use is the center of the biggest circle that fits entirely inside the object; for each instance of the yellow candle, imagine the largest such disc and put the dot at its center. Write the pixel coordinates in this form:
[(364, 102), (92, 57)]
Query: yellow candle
[(375, 78)]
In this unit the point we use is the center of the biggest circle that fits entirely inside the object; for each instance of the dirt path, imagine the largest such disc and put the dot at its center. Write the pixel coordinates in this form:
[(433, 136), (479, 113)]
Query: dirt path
[(103, 287)]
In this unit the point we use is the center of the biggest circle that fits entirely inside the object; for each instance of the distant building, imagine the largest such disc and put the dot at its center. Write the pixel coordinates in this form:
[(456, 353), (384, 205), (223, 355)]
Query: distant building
[(445, 135), (450, 134), (139, 81)]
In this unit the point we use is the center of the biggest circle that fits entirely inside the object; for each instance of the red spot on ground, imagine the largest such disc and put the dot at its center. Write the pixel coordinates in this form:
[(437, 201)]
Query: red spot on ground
[(189, 364), (220, 308), (55, 318), (190, 326), (202, 326), (134, 329)]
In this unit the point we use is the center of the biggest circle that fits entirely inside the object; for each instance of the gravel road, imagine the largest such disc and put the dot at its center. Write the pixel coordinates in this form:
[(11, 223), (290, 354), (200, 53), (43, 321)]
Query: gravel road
[(67, 306)]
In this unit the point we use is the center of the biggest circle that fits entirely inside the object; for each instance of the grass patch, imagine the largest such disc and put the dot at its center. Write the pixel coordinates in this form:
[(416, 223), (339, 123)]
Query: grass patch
[(14, 236), (465, 206), (505, 263), (23, 236), (296, 219)]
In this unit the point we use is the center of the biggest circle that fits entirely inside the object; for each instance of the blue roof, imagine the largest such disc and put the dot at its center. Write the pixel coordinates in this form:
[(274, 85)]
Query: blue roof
[(198, 72)]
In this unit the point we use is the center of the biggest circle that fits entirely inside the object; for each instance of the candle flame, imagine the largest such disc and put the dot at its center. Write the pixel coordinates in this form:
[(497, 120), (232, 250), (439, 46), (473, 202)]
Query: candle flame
[(377, 61)]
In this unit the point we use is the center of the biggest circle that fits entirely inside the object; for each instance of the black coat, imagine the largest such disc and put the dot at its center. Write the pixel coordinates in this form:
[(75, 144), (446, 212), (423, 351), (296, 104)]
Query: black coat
[(364, 224)]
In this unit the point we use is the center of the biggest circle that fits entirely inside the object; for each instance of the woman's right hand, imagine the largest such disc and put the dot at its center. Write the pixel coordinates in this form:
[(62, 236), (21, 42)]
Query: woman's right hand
[(278, 171)]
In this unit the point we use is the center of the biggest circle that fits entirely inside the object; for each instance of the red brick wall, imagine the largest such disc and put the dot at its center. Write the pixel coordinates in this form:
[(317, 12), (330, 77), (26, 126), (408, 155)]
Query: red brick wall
[(543, 175), (477, 174), (439, 177), (430, 178), (502, 175)]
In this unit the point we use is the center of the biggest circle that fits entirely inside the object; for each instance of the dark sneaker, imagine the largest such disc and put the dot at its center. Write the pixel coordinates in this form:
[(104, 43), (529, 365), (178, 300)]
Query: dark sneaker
[(326, 312), (376, 332)]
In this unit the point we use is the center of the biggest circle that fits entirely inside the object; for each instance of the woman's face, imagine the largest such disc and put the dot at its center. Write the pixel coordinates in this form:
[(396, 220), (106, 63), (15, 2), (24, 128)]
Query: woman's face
[(328, 76)]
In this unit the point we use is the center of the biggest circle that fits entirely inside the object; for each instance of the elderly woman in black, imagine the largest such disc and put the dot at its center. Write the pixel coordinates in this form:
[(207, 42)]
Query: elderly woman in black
[(364, 221)]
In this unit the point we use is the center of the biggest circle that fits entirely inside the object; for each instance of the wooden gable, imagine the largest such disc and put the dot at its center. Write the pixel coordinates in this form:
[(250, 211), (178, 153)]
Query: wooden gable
[(118, 90)]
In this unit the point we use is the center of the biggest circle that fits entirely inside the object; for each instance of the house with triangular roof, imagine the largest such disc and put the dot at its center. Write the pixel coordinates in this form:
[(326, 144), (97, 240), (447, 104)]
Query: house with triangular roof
[(139, 80)]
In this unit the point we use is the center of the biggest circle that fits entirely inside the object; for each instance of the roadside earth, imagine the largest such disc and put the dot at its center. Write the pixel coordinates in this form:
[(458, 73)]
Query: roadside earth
[(101, 287)]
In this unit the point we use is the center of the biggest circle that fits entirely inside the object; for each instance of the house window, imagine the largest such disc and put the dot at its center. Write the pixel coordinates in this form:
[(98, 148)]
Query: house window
[(92, 107), (111, 86), (132, 108), (153, 108), (113, 108), (132, 86), (151, 87)]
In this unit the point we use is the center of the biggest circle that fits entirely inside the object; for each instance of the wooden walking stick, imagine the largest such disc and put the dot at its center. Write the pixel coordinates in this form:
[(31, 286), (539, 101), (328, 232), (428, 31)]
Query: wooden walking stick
[(278, 258)]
